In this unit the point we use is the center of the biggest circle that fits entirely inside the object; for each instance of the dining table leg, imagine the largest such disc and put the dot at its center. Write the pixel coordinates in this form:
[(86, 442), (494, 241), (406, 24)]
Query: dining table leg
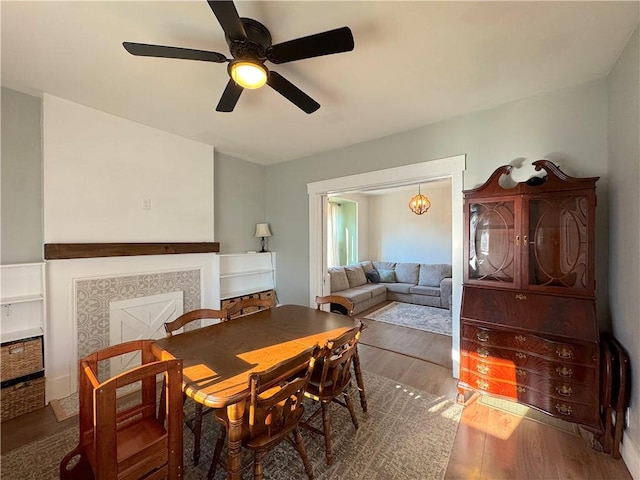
[(235, 412)]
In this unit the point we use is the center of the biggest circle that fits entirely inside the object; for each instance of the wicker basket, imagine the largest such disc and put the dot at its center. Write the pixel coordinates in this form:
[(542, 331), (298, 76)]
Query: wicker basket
[(21, 358), (21, 398), (269, 294)]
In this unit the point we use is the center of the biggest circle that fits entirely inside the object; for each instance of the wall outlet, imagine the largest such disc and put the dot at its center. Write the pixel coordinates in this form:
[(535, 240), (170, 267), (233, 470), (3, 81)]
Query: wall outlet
[(146, 204)]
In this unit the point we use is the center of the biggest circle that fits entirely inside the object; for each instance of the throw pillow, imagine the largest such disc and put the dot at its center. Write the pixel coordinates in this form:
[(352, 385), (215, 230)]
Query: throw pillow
[(338, 279), (372, 276), (355, 275), (387, 276)]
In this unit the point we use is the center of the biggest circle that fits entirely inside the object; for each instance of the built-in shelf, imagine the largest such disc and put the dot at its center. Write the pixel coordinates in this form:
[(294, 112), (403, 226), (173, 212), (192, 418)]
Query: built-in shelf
[(20, 299), (23, 301), (246, 273), (20, 335)]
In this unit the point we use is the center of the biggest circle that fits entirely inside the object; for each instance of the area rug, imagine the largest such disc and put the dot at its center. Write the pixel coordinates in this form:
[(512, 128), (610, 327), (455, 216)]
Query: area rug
[(427, 319), (406, 434)]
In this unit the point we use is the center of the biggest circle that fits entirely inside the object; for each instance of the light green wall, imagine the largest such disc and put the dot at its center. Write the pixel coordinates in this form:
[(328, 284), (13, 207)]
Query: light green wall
[(21, 173), (623, 85), (568, 127), (239, 198)]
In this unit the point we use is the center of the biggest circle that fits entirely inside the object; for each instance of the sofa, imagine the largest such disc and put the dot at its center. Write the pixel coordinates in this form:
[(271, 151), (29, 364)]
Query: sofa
[(369, 283)]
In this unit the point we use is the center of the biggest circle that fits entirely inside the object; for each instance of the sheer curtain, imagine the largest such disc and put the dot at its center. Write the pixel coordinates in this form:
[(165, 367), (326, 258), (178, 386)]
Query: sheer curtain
[(333, 244)]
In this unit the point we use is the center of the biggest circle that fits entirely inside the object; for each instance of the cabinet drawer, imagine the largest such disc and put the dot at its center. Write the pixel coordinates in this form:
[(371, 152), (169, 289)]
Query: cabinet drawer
[(559, 388), (520, 359), (572, 411), (23, 397), (21, 358), (540, 346), (269, 294)]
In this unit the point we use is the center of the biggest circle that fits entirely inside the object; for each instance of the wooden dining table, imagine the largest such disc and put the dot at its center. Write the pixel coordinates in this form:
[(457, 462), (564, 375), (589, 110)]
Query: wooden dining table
[(218, 359)]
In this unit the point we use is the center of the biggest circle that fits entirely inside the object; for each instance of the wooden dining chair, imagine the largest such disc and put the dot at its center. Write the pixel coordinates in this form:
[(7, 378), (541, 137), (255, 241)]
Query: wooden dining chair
[(330, 379), (346, 308), (127, 442), (273, 412), (254, 304), (194, 423)]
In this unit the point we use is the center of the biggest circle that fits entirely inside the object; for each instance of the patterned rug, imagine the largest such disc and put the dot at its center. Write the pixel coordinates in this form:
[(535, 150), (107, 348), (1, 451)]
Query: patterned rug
[(428, 319), (405, 435)]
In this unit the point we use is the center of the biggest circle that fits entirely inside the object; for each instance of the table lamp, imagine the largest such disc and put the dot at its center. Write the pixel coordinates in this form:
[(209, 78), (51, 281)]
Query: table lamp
[(262, 231)]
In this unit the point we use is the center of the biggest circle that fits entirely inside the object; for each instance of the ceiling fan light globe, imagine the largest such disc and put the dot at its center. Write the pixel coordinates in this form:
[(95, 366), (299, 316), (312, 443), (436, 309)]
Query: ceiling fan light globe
[(248, 74)]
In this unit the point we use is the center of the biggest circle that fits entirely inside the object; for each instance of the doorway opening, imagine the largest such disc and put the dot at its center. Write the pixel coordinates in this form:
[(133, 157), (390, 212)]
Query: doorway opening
[(319, 192)]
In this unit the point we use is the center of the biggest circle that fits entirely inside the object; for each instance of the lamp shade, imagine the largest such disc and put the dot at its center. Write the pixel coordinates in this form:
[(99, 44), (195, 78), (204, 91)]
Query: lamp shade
[(248, 74), (262, 230)]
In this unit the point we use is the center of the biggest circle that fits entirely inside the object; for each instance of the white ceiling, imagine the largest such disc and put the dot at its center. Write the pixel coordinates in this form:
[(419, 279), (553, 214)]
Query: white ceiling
[(414, 63)]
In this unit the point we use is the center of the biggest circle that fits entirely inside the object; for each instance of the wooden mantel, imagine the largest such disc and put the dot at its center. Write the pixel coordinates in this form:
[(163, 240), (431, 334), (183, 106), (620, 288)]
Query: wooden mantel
[(60, 251)]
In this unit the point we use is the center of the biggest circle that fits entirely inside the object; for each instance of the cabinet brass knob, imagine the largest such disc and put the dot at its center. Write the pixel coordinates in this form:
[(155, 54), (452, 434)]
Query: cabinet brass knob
[(520, 296), (563, 409), (482, 368), (517, 240), (521, 373), (483, 352), (482, 336), (564, 390), (482, 385), (564, 371), (564, 353), (521, 389), (521, 339), (520, 355)]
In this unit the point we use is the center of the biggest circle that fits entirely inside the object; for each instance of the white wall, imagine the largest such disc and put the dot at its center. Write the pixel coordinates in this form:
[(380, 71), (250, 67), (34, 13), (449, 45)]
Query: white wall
[(623, 85), (398, 235), (240, 203), (21, 175), (98, 169), (566, 126)]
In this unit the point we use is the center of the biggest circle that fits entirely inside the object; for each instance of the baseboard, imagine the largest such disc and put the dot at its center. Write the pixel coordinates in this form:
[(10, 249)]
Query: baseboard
[(630, 456), (59, 387)]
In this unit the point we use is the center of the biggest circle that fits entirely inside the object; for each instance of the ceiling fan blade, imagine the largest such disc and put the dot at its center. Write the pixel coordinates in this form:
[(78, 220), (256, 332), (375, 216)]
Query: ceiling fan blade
[(325, 43), (229, 97), (226, 13), (146, 50), (288, 90)]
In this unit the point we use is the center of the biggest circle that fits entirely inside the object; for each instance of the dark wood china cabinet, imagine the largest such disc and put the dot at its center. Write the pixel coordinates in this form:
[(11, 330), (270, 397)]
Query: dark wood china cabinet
[(528, 325)]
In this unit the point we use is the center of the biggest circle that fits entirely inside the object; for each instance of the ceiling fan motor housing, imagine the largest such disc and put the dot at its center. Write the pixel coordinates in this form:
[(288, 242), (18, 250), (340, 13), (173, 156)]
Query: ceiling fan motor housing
[(255, 45)]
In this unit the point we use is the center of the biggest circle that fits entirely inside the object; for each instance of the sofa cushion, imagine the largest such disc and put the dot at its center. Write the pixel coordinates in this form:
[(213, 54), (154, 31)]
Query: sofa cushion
[(424, 290), (432, 274), (398, 287), (356, 294), (367, 266), (407, 272), (387, 276), (384, 265), (338, 279), (372, 276), (355, 275), (375, 289)]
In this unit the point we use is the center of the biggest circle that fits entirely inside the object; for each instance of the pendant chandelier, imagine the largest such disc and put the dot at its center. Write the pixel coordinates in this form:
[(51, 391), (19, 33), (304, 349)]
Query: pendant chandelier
[(419, 204)]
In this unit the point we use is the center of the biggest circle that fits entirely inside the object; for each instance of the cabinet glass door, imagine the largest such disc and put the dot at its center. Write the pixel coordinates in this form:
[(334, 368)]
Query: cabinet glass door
[(491, 242), (558, 243)]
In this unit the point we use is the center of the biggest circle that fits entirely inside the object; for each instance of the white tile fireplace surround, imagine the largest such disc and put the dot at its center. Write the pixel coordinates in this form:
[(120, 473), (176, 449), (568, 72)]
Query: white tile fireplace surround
[(88, 298)]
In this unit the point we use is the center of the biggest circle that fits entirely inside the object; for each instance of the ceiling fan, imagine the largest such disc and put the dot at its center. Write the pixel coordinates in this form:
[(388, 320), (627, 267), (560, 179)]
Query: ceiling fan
[(250, 46)]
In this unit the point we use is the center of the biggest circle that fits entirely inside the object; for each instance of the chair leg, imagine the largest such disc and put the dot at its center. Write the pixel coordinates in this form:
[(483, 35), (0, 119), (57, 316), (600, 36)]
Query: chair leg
[(352, 411), (197, 430), (302, 450), (359, 380), (327, 431), (257, 465), (216, 453)]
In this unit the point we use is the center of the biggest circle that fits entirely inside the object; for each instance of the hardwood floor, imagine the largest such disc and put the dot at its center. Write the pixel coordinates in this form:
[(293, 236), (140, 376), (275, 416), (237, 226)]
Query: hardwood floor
[(489, 444)]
